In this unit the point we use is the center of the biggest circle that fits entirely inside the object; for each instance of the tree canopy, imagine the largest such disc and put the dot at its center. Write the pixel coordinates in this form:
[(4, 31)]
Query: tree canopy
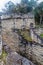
[(24, 6)]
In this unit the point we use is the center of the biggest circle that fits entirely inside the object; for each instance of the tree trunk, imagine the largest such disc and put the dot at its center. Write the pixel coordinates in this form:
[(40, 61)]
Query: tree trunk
[(40, 19)]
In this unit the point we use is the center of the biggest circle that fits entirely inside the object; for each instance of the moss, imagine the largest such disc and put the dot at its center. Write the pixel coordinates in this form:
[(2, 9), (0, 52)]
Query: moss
[(3, 56), (41, 35), (25, 34)]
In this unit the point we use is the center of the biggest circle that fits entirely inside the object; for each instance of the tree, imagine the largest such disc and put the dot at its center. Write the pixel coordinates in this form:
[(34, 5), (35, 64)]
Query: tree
[(24, 1), (28, 5), (24, 7), (9, 7), (39, 11), (33, 3)]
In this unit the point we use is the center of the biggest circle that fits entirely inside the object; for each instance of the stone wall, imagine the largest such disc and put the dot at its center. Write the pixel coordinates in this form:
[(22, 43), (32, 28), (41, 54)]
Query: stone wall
[(35, 37), (17, 23)]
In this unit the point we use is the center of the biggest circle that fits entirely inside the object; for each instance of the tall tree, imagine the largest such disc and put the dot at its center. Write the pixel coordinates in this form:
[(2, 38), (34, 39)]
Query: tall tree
[(39, 10), (9, 7), (33, 3)]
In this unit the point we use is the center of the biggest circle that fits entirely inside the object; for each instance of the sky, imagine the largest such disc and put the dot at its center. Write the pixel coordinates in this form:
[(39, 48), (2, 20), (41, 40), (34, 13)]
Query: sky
[(2, 2)]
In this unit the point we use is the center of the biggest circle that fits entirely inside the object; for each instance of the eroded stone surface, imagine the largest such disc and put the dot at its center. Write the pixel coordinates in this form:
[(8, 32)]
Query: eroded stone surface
[(15, 59), (38, 53), (34, 52)]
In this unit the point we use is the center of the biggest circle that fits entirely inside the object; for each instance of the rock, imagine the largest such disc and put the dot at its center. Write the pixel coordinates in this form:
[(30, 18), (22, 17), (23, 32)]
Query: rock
[(15, 59), (1, 62)]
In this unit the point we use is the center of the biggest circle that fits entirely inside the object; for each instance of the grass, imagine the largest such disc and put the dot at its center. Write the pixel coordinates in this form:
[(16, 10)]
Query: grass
[(41, 35), (40, 25), (25, 34)]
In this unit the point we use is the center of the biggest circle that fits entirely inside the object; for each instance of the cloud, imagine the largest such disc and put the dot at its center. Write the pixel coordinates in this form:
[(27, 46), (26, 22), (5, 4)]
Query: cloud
[(40, 1)]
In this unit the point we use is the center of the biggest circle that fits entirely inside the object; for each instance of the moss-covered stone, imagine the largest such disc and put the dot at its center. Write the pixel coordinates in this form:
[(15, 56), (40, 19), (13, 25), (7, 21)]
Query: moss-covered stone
[(25, 34)]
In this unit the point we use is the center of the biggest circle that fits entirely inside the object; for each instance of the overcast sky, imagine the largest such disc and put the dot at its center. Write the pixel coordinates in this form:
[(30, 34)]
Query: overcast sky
[(2, 2)]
